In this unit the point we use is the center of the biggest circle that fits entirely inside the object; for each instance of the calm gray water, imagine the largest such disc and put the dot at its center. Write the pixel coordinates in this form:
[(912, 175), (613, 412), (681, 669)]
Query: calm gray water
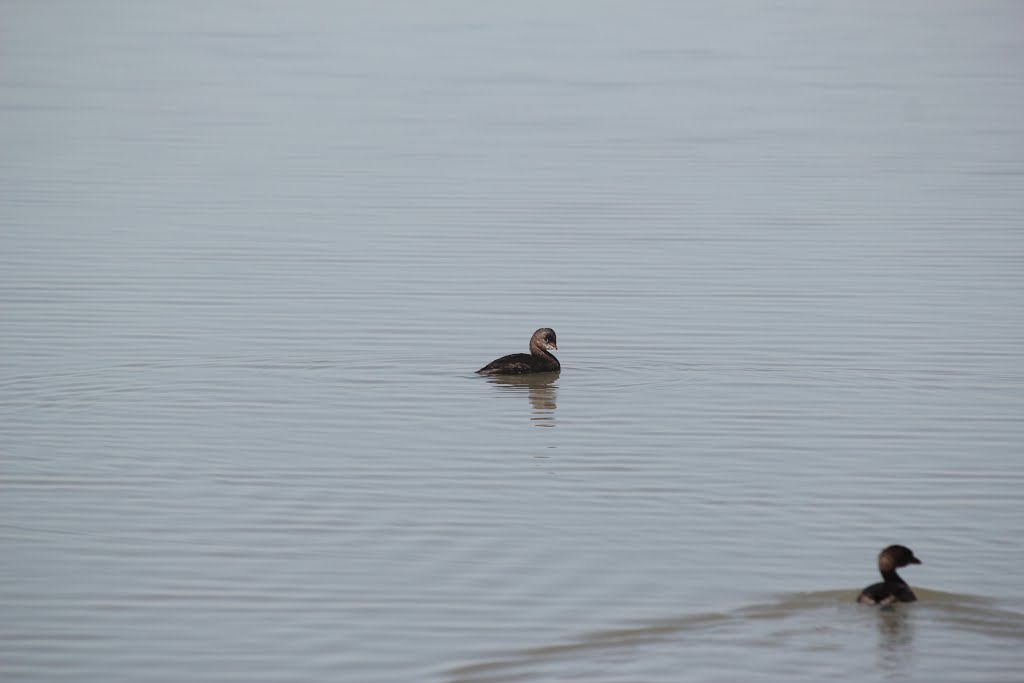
[(252, 253)]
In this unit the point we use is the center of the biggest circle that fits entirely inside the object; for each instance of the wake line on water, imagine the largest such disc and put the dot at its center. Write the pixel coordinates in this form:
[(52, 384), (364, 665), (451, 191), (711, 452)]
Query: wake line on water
[(837, 610)]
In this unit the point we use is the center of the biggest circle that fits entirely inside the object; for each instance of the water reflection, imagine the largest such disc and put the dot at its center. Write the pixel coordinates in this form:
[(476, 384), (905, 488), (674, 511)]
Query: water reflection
[(895, 638), (541, 389)]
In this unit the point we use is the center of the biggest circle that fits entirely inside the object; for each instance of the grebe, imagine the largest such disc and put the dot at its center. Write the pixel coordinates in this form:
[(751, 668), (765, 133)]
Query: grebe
[(892, 588), (537, 360)]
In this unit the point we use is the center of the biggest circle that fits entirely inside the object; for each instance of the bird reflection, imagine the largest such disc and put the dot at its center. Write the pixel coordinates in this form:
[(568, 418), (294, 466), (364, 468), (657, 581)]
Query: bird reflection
[(895, 640), (541, 390)]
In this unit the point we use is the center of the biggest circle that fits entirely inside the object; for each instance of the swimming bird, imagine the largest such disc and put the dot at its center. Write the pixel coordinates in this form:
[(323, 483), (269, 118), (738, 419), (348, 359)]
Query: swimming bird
[(892, 588), (539, 359)]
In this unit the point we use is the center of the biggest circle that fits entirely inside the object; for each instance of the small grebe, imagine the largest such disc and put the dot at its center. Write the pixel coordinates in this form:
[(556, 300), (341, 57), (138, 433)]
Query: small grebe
[(537, 360), (892, 588)]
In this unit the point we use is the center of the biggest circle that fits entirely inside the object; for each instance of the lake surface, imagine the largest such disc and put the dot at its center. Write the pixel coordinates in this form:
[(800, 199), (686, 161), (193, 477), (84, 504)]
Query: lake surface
[(251, 255)]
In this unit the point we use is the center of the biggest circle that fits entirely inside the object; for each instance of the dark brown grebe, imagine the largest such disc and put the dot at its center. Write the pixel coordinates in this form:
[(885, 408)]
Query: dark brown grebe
[(893, 588), (537, 360)]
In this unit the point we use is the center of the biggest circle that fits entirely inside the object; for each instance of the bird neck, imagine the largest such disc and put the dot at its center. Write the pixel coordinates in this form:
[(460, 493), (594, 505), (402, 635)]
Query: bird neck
[(545, 356), (892, 577)]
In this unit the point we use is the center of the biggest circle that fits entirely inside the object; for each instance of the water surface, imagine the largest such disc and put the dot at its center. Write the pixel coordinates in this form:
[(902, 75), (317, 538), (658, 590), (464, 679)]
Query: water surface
[(250, 256)]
